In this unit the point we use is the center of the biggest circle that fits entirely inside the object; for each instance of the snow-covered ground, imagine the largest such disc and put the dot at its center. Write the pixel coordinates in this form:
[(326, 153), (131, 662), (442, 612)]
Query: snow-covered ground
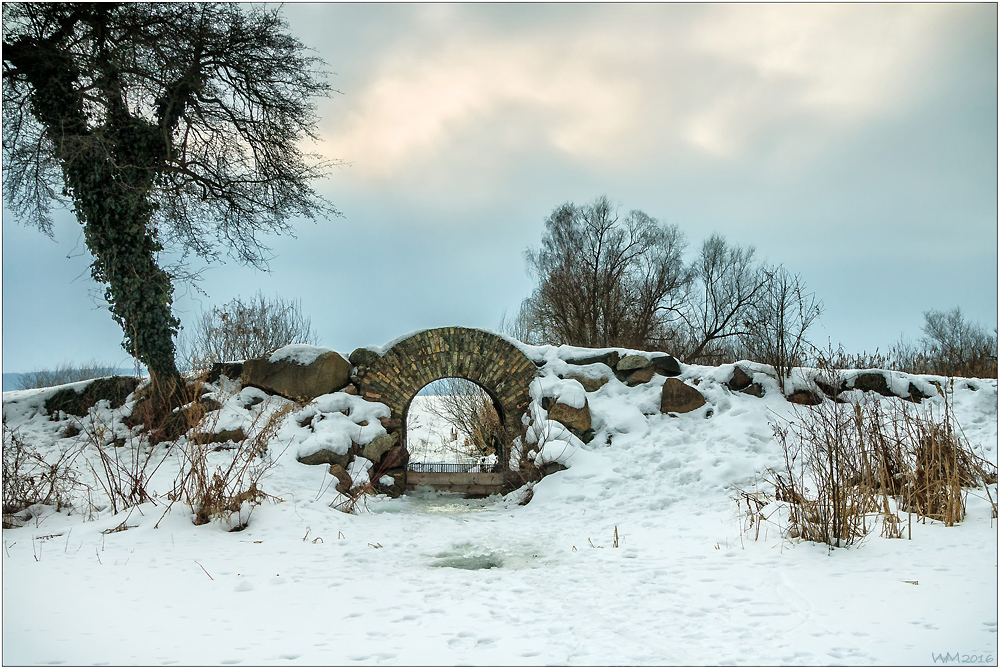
[(431, 579)]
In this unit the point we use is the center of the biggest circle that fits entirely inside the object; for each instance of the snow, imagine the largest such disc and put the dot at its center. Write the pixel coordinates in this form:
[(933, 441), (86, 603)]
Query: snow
[(331, 422), (635, 554), (565, 391), (302, 354)]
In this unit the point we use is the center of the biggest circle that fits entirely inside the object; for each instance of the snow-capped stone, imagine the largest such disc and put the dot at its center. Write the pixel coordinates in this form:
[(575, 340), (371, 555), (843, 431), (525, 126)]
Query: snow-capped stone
[(298, 372)]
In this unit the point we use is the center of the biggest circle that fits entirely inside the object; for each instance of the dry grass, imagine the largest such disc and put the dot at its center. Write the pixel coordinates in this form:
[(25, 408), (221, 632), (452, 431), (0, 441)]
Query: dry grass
[(30, 479), (222, 491), (66, 373), (125, 466), (851, 467)]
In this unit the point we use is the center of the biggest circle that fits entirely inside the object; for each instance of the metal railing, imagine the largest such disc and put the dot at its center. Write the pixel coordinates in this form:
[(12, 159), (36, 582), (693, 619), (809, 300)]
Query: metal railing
[(453, 467)]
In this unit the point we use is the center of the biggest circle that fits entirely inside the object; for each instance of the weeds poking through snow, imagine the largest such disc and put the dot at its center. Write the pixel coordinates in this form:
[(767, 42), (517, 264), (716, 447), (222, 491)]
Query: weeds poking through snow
[(126, 465), (232, 488), (29, 480), (851, 466)]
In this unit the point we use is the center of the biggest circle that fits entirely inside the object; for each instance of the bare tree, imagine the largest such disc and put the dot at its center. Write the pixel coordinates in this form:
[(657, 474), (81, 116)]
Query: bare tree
[(469, 409), (954, 346), (776, 325), (241, 330), (162, 124), (603, 280), (729, 282)]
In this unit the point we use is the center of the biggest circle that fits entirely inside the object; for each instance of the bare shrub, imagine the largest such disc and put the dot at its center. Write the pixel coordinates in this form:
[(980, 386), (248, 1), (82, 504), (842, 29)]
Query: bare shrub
[(222, 491), (826, 504), (840, 359), (469, 408), (30, 479), (245, 329), (65, 373), (517, 325), (943, 463), (950, 346), (954, 346), (125, 465), (356, 499)]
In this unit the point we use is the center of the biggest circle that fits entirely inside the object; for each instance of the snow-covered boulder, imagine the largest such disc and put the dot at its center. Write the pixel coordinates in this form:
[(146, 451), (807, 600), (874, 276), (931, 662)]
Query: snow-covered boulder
[(576, 419), (633, 362), (299, 372)]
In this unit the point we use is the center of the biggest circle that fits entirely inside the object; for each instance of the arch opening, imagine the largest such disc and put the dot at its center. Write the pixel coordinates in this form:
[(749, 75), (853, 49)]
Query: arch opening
[(457, 422)]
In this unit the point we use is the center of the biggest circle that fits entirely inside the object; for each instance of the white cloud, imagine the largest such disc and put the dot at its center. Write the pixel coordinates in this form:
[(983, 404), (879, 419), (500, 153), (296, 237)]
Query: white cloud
[(417, 101), (626, 83)]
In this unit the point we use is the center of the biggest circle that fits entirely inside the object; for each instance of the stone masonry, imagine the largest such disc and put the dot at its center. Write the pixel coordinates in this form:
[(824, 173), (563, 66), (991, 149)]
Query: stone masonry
[(479, 356)]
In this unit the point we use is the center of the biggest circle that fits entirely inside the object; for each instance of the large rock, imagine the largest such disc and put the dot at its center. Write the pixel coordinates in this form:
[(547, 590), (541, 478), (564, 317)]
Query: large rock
[(609, 359), (633, 362), (396, 457), (394, 489), (826, 385), (379, 446), (873, 381), (577, 420), (115, 389), (666, 365), (915, 394), (805, 397), (220, 437), (391, 424), (551, 468), (344, 481), (589, 384), (327, 373), (640, 376), (230, 370), (679, 397), (326, 457), (739, 380), (363, 356)]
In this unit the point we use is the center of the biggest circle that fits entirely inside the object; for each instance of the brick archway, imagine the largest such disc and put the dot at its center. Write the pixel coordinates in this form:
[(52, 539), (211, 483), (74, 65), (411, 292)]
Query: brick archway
[(476, 355)]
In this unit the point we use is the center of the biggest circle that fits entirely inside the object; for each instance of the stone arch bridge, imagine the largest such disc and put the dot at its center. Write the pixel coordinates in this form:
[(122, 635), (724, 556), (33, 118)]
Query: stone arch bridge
[(484, 358)]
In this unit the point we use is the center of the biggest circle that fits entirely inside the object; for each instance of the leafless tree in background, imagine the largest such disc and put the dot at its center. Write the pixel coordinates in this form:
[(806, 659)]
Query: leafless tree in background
[(603, 280), (469, 409), (729, 281), (776, 325), (953, 346)]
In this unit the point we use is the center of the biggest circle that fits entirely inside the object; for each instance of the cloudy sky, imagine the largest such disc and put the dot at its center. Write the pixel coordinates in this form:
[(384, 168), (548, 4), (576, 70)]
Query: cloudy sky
[(856, 144)]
